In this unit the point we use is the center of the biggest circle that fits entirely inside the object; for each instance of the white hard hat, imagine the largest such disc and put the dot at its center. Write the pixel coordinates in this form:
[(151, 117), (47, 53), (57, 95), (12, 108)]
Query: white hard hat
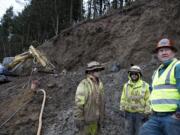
[(135, 68), (94, 65)]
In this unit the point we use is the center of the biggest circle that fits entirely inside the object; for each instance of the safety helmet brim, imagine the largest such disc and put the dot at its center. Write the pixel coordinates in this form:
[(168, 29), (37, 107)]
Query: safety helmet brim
[(171, 47), (94, 66), (100, 68)]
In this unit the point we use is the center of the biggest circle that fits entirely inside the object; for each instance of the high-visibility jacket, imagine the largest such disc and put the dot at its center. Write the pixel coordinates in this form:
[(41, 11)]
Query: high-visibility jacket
[(89, 100), (165, 96), (135, 97)]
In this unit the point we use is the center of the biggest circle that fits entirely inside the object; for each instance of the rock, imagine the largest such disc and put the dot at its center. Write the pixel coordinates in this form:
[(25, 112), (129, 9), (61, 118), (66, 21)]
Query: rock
[(51, 85)]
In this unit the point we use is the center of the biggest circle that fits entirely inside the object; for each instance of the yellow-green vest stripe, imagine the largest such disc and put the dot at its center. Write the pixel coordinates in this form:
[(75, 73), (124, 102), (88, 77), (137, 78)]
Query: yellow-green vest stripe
[(165, 95)]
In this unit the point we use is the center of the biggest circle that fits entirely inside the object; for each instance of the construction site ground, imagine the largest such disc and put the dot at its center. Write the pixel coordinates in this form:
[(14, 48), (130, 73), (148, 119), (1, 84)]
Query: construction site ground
[(117, 39)]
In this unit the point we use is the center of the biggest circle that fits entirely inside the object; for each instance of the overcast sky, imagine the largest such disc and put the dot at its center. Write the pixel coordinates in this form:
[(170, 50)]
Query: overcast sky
[(18, 5)]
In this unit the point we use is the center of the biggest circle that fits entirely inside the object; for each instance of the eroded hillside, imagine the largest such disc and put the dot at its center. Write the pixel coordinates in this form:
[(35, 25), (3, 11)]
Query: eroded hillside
[(120, 38)]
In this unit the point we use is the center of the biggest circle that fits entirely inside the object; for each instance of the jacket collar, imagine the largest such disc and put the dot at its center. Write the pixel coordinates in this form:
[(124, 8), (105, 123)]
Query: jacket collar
[(167, 63), (93, 79)]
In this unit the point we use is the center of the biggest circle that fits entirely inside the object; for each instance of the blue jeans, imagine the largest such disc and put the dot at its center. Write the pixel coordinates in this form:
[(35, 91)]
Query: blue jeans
[(133, 123), (161, 125)]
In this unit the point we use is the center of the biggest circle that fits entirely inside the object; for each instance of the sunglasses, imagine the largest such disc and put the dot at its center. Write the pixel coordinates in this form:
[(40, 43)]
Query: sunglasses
[(133, 73)]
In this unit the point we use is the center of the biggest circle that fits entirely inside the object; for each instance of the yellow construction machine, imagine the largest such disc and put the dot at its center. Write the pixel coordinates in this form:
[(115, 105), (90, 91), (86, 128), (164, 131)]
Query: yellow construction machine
[(34, 54)]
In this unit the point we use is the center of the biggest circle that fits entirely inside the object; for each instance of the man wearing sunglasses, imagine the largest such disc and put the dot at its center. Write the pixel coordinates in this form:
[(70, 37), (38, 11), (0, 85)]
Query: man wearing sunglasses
[(165, 95), (135, 101)]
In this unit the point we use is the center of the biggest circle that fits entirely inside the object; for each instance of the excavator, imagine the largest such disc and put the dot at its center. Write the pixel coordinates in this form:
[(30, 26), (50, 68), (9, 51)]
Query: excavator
[(33, 53)]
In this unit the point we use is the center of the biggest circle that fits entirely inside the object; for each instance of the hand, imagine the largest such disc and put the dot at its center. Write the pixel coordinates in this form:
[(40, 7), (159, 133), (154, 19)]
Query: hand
[(101, 126), (176, 115), (79, 124), (145, 117)]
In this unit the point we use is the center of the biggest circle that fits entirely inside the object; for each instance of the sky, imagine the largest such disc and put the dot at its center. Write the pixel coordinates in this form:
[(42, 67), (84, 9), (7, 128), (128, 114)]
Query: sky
[(18, 5)]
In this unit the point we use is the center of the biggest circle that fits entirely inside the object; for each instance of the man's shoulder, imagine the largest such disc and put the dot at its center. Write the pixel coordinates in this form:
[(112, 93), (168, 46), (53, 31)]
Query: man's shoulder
[(127, 84), (144, 82), (178, 63), (177, 67), (84, 81), (81, 88)]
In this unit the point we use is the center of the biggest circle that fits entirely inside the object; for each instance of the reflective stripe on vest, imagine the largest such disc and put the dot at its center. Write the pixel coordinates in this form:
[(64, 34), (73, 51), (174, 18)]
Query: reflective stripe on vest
[(167, 86), (165, 101), (165, 96)]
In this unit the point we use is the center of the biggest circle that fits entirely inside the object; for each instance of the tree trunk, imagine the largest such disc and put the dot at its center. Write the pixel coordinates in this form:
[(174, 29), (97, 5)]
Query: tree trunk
[(95, 9), (4, 54), (71, 12), (57, 25), (114, 4), (28, 33), (81, 9), (100, 7), (9, 49), (56, 22), (121, 4), (89, 9)]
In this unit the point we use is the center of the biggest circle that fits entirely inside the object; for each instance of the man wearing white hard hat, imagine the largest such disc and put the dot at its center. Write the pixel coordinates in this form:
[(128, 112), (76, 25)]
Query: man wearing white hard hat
[(135, 101)]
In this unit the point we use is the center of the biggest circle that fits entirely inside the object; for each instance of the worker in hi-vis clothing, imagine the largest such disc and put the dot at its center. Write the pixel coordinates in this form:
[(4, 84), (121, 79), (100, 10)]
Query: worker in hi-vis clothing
[(89, 101), (134, 101), (165, 95)]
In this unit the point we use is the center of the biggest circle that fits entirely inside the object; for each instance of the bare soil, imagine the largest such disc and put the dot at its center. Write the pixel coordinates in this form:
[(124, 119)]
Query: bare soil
[(119, 38)]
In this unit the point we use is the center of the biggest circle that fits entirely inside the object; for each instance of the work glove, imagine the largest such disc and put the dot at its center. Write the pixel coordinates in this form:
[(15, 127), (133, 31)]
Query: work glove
[(79, 124)]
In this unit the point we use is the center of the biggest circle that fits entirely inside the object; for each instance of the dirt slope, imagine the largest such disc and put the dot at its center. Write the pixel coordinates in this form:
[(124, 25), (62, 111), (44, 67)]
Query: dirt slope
[(122, 37), (119, 38)]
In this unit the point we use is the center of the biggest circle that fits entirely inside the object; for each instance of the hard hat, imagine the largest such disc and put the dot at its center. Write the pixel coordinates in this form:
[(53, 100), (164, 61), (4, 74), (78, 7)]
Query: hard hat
[(136, 69), (165, 42), (94, 66)]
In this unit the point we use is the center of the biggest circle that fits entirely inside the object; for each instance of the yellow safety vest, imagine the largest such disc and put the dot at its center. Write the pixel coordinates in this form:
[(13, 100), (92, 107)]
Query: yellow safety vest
[(165, 95), (135, 98)]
